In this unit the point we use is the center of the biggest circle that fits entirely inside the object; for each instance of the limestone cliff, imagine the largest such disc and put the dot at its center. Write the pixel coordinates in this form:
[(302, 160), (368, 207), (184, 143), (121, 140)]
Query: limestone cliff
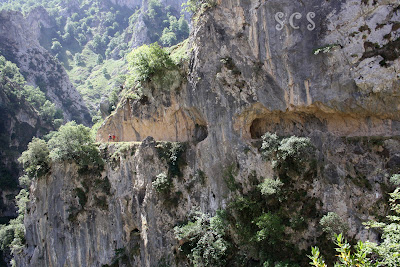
[(20, 45), (19, 122), (329, 72)]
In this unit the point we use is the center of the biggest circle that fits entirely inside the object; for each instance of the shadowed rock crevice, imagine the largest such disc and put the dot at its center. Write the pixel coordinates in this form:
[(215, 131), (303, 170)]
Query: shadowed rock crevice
[(309, 120)]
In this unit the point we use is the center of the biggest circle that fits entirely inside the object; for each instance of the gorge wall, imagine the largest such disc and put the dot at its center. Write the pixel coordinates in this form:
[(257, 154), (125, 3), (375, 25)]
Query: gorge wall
[(336, 82), (20, 45)]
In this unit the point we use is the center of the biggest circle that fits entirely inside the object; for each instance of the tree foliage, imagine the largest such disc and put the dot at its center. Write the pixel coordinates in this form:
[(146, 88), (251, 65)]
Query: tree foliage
[(365, 254), (270, 186), (149, 60), (35, 159), (74, 142), (12, 235), (333, 225), (206, 243), (194, 6), (14, 84), (162, 183), (291, 152)]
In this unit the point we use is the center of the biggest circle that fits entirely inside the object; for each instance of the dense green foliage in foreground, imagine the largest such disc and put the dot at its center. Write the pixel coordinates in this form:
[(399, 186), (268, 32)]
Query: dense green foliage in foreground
[(368, 254)]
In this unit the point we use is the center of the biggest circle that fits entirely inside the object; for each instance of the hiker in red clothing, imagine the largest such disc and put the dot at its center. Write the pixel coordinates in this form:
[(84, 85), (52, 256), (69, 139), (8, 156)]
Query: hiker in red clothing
[(114, 137)]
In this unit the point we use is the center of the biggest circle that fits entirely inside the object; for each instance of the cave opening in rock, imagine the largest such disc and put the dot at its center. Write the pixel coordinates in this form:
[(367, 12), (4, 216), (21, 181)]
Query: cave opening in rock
[(200, 132), (257, 128)]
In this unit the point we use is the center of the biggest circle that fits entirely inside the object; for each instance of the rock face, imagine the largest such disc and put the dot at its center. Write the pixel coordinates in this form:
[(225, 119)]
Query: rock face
[(20, 45), (160, 115), (19, 122), (248, 74)]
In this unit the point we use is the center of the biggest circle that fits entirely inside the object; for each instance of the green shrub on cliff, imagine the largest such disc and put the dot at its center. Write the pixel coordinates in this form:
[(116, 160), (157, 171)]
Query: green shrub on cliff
[(12, 235), (386, 253), (195, 5), (291, 152), (333, 225), (75, 142), (35, 159), (206, 244), (149, 60), (270, 186), (162, 183)]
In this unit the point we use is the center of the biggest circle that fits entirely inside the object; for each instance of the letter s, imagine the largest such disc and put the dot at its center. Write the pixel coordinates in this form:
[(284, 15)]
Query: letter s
[(278, 17), (296, 15), (310, 16)]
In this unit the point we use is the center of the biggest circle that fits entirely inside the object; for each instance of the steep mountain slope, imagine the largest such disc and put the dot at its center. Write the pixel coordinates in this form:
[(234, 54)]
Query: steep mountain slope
[(20, 45)]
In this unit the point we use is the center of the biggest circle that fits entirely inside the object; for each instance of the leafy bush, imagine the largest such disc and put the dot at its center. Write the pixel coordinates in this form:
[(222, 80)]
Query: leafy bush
[(162, 183), (389, 249), (48, 112), (56, 47), (346, 256), (271, 228), (35, 159), (270, 144), (168, 37), (75, 142), (13, 235), (270, 186), (206, 242), (291, 152), (294, 147), (195, 5), (395, 179), (149, 60), (333, 225), (24, 181), (387, 253), (173, 154)]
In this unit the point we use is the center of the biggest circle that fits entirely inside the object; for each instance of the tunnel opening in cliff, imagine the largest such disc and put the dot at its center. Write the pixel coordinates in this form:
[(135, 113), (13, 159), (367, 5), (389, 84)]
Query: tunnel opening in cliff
[(303, 123)]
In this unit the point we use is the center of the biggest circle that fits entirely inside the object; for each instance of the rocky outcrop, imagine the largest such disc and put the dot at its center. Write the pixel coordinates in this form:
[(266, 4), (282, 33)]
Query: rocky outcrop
[(311, 75), (159, 113), (20, 45)]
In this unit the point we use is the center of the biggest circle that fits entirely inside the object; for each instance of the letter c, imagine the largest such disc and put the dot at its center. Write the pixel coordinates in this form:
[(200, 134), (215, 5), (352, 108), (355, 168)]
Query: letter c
[(278, 17), (295, 15)]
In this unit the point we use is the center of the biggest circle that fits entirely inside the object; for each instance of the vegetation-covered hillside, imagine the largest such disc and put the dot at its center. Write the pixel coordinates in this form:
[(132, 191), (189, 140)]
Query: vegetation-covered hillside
[(92, 38)]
